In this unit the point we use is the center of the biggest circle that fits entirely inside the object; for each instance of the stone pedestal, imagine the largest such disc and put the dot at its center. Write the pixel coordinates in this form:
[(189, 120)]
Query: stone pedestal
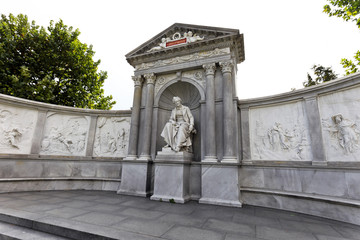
[(136, 178), (172, 176), (220, 185)]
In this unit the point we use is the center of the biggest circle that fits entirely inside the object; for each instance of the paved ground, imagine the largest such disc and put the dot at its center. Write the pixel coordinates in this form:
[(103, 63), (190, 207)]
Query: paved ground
[(127, 217)]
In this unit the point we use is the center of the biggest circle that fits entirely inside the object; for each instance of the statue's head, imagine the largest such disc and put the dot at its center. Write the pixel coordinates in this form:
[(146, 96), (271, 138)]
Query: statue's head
[(177, 101)]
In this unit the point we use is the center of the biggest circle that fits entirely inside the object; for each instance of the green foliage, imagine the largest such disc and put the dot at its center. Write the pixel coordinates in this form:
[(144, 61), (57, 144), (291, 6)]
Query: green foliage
[(322, 74), (347, 10), (351, 66), (49, 65)]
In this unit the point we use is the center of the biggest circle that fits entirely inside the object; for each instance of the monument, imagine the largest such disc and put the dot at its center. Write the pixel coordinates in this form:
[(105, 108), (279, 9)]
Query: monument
[(188, 137), (195, 65)]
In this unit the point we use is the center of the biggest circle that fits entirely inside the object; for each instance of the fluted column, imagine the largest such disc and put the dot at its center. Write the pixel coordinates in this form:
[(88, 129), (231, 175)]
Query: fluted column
[(150, 82), (210, 142), (135, 117), (229, 113)]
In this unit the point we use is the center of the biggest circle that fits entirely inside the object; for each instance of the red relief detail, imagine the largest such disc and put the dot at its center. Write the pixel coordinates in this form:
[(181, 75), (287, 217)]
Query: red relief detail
[(176, 42)]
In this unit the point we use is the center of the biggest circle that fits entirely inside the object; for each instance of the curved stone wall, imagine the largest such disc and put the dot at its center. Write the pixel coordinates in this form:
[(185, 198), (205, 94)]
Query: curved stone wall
[(49, 147), (301, 150)]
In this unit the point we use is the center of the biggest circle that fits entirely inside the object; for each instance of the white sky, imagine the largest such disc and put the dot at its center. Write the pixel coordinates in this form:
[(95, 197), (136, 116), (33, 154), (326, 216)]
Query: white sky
[(283, 38)]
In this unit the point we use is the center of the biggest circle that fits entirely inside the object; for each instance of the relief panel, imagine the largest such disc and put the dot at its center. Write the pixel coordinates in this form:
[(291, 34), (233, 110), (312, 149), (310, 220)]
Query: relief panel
[(65, 135), (17, 128), (279, 132), (112, 136), (340, 124)]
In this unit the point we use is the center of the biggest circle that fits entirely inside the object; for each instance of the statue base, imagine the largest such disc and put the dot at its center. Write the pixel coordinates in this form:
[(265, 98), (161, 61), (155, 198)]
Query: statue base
[(172, 176)]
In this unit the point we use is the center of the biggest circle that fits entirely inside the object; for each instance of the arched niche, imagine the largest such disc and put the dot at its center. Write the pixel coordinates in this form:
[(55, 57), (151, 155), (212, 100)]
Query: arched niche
[(191, 97)]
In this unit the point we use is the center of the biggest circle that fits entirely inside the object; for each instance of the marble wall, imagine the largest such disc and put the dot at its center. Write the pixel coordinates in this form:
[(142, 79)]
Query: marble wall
[(301, 150), (45, 147)]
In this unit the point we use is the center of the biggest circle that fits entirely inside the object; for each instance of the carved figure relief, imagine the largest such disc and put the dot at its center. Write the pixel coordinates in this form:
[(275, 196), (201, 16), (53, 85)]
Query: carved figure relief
[(65, 135), (177, 39), (279, 132), (344, 133), (279, 143), (17, 128), (182, 59), (112, 137)]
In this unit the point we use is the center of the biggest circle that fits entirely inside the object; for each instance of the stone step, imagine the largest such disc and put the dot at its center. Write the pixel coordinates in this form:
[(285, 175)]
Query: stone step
[(17, 224), (10, 231)]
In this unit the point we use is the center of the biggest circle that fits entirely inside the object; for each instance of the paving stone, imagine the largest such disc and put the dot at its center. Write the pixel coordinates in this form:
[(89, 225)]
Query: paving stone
[(215, 213), (274, 213), (54, 200), (270, 233), (186, 233), (88, 197), (239, 237), (66, 212), (144, 227), (140, 213), (140, 204), (348, 232), (99, 218), (111, 200), (255, 220), (228, 226), (78, 204), (325, 237), (40, 207), (106, 208), (309, 227), (175, 208), (34, 197), (182, 220)]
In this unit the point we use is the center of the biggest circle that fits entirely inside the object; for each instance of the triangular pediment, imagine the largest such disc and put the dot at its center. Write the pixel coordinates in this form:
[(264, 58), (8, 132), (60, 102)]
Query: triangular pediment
[(182, 37)]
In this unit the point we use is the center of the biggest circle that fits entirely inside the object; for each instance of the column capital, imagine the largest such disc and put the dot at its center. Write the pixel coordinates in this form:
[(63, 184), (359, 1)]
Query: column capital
[(138, 80), (226, 67), (150, 78), (209, 68)]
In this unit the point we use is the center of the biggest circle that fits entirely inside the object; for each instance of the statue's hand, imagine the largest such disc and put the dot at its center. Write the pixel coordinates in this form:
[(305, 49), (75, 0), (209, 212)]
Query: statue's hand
[(191, 128)]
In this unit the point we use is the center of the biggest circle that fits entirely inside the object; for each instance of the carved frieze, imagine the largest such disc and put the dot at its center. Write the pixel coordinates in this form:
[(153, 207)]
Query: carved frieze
[(279, 133), (17, 127), (340, 124), (183, 59), (112, 137), (65, 135), (344, 133)]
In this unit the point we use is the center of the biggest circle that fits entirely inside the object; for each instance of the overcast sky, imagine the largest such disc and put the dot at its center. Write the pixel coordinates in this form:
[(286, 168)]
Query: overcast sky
[(283, 38)]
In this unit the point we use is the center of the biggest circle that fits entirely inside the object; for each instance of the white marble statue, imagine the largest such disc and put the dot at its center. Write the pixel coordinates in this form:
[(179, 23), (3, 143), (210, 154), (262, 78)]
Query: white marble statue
[(193, 37), (177, 132)]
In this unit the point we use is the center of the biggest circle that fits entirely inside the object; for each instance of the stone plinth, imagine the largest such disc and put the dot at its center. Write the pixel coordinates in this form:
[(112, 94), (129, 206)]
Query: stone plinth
[(172, 176), (135, 178), (220, 185)]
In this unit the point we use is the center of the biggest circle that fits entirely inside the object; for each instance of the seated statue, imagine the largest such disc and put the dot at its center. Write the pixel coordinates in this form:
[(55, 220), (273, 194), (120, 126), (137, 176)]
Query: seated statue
[(177, 132)]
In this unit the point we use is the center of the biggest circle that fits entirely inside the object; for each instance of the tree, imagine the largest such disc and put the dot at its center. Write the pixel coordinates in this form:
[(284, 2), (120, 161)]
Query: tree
[(322, 74), (49, 65), (347, 10)]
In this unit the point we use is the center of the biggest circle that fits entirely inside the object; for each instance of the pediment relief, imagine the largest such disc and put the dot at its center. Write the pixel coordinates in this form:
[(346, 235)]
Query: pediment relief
[(182, 38)]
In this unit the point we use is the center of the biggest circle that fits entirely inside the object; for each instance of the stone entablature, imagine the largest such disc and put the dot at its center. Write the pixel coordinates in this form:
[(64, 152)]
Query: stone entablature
[(183, 59)]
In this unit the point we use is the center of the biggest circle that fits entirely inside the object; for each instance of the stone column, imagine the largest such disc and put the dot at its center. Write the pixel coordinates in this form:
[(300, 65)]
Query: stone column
[(210, 141), (229, 113), (150, 82), (135, 118)]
